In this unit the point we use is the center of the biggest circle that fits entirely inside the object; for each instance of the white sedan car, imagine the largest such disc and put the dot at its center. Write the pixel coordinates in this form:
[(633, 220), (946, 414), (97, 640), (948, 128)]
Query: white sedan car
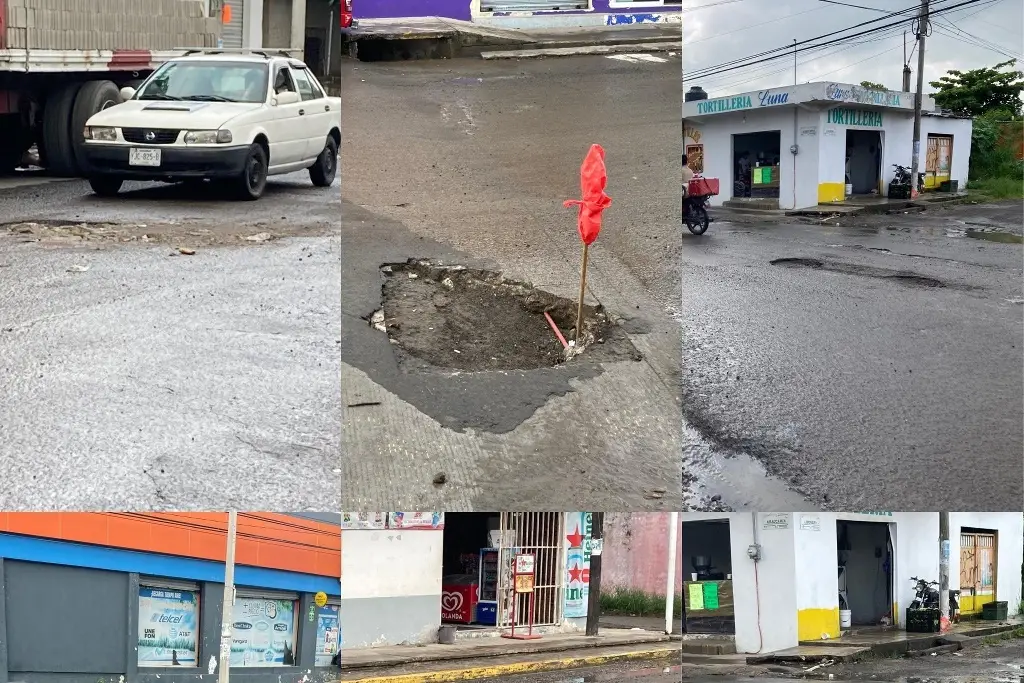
[(232, 117)]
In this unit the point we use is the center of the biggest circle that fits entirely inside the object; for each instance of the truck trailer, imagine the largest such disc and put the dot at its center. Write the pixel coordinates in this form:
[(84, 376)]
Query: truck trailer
[(61, 61)]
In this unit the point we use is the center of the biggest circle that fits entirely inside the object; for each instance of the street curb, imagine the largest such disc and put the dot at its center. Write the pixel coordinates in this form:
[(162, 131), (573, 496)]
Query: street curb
[(583, 50), (492, 671), (654, 641)]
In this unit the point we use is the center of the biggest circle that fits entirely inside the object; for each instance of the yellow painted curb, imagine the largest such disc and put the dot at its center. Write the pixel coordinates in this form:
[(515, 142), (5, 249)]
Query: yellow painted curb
[(518, 667)]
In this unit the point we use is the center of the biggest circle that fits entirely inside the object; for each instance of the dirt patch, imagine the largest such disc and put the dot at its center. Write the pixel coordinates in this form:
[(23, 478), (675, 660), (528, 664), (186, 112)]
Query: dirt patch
[(475, 320), (178, 234)]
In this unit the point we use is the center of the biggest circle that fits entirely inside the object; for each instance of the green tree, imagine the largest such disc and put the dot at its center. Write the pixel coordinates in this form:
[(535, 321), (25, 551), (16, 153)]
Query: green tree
[(872, 86), (993, 91)]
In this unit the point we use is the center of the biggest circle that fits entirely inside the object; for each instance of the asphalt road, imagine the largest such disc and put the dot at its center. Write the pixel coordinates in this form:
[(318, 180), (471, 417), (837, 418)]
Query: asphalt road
[(1000, 661), (468, 162), (133, 376), (851, 386)]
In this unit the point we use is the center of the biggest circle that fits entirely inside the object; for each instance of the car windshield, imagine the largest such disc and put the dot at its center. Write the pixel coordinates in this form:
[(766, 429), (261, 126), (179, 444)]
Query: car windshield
[(208, 82)]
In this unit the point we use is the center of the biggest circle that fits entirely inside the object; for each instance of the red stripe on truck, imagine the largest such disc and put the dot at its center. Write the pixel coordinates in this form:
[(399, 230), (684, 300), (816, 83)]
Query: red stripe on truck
[(129, 59), (3, 24)]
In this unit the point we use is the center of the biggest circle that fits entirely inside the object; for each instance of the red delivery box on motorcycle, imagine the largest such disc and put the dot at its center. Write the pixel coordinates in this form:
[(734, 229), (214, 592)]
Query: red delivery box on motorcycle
[(702, 187)]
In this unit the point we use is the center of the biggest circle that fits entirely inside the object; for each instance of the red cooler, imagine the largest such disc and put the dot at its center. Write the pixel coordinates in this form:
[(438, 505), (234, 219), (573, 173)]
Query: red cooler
[(458, 600)]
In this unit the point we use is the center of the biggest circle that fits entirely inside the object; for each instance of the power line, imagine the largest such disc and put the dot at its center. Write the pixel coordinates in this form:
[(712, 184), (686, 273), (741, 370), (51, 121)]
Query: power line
[(785, 51), (757, 25), (845, 4)]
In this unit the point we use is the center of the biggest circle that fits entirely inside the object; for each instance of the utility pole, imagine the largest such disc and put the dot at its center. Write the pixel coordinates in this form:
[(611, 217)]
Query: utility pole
[(228, 606), (944, 571), (906, 66), (594, 593), (922, 30), (670, 584), (794, 61)]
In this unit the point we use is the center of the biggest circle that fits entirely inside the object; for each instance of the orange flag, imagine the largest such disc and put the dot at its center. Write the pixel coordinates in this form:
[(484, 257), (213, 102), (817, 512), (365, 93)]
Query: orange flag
[(593, 180)]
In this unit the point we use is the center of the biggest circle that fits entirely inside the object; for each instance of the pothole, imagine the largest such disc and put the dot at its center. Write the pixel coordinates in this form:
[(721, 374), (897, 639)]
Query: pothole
[(902, 277), (475, 320), (798, 263), (916, 280)]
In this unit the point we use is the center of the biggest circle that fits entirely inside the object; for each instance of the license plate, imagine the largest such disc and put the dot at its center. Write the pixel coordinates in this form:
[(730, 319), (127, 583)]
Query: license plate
[(143, 157)]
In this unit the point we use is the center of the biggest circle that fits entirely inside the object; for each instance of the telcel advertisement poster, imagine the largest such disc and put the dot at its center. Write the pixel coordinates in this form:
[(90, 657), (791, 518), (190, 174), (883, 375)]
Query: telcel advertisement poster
[(167, 627), (264, 632), (328, 634)]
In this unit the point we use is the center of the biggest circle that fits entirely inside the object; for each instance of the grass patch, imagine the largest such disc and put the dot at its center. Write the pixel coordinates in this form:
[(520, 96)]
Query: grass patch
[(1000, 187), (631, 602)]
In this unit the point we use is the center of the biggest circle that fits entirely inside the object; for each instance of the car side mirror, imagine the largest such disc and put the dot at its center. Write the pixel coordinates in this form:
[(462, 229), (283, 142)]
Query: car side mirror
[(287, 97), (127, 93)]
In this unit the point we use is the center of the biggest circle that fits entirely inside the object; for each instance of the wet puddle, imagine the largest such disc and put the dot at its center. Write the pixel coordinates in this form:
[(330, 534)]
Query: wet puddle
[(987, 233), (994, 236)]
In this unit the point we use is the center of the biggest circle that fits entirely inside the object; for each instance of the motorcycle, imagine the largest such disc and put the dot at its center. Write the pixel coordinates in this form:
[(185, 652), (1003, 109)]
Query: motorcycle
[(926, 596), (902, 177), (695, 204)]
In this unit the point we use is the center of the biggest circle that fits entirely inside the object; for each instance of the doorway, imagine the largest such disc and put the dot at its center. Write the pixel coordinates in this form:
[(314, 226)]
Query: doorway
[(864, 161), (469, 569), (865, 566), (707, 577), (755, 162), (978, 549), (478, 550)]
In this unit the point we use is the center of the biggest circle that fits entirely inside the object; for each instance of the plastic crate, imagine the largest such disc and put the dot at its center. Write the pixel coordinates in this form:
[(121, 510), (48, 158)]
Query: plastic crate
[(487, 613), (702, 187), (924, 620), (995, 611)]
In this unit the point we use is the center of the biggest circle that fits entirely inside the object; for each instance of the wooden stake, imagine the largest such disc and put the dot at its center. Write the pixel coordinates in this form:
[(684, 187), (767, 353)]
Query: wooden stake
[(583, 291)]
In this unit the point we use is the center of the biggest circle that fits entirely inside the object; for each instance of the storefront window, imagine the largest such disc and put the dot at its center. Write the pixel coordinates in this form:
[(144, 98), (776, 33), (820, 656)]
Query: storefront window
[(168, 627), (328, 634), (264, 632)]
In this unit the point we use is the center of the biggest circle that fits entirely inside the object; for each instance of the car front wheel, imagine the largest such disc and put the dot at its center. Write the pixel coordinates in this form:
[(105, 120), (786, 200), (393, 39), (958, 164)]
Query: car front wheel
[(105, 186), (253, 180), (326, 167)]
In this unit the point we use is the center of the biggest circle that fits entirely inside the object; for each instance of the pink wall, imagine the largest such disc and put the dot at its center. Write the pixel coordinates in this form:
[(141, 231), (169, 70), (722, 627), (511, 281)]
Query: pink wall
[(636, 552)]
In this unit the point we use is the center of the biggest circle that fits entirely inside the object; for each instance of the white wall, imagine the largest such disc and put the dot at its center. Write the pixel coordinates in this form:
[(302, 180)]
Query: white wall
[(897, 146), (1009, 527), (390, 563), (798, 182), (961, 130), (764, 593)]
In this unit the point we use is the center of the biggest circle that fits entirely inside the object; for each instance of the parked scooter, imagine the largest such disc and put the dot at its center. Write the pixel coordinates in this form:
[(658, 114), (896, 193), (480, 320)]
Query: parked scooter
[(695, 204), (926, 595)]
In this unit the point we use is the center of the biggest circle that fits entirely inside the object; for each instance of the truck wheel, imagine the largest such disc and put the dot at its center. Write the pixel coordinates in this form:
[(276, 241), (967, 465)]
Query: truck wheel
[(105, 186), (326, 167), (57, 139), (253, 180), (94, 96)]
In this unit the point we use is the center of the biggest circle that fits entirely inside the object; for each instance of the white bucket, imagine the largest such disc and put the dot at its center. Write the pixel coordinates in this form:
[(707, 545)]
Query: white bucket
[(845, 618), (849, 189)]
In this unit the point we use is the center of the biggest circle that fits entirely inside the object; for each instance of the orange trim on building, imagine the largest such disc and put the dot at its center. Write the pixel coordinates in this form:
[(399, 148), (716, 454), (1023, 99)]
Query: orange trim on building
[(264, 539)]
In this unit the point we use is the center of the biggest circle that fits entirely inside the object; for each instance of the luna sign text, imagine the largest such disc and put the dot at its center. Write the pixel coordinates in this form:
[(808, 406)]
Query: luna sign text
[(764, 98)]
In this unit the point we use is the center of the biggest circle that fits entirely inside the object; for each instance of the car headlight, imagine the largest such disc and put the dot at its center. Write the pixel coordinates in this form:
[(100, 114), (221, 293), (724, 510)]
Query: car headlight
[(101, 133), (207, 137)]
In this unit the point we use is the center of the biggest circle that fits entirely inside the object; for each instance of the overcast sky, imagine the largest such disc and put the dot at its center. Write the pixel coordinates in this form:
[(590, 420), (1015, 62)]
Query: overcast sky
[(718, 31)]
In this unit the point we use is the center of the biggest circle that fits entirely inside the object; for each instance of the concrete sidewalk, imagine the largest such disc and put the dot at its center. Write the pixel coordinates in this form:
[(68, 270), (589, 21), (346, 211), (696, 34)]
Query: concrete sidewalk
[(465, 38)]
